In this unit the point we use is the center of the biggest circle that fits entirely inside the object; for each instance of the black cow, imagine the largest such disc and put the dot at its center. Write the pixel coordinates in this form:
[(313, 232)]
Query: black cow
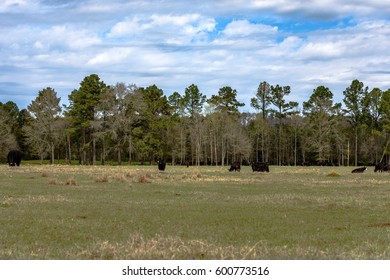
[(14, 158), (161, 164), (380, 167), (260, 167), (235, 166), (359, 170)]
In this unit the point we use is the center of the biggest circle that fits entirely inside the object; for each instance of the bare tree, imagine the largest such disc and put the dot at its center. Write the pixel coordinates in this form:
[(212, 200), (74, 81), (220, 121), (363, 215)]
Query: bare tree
[(43, 131), (7, 138)]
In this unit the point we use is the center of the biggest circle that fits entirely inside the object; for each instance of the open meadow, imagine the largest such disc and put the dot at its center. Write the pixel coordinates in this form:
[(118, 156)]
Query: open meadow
[(137, 212)]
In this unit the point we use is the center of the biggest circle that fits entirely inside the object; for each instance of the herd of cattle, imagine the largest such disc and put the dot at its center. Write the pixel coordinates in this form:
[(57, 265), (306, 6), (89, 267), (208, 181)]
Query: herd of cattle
[(379, 167), (15, 157), (256, 167)]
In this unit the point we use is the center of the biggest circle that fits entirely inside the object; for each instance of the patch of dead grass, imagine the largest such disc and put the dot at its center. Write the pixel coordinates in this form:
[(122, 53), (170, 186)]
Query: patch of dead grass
[(71, 182), (166, 248), (143, 179), (333, 174), (102, 178)]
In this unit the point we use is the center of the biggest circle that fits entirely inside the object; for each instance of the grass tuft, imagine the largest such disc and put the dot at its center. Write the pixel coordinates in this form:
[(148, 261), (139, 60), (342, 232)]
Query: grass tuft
[(333, 174), (70, 182), (143, 179), (102, 179), (53, 181)]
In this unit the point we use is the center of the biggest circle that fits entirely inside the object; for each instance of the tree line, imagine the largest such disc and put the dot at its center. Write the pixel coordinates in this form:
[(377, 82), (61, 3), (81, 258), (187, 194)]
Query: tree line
[(125, 123)]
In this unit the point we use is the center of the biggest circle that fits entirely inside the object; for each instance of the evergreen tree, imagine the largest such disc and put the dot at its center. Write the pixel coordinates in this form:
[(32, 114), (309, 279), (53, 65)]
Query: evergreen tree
[(320, 120), (154, 120), (281, 111), (82, 110), (261, 103), (226, 101), (193, 101), (354, 102)]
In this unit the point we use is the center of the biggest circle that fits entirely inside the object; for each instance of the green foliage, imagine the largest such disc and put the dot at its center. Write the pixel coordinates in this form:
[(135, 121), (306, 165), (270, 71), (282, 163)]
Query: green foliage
[(321, 123), (226, 101), (124, 121), (175, 101), (193, 100), (156, 102), (83, 102), (354, 102), (283, 108), (154, 121), (263, 99)]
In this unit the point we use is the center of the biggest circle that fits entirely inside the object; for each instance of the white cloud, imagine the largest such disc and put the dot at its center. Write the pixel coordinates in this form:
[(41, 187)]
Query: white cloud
[(243, 28), (111, 56), (10, 5), (324, 8), (171, 29), (211, 43)]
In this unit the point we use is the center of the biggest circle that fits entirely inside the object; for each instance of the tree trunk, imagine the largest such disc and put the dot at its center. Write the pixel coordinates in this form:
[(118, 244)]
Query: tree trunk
[(93, 150), (52, 156), (69, 149), (215, 150), (356, 146), (130, 148), (103, 153), (84, 152)]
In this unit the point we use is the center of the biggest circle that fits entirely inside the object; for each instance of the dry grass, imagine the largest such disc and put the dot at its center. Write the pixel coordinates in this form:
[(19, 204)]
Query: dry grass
[(137, 247), (54, 182), (71, 182), (143, 179), (333, 174), (166, 248), (102, 178)]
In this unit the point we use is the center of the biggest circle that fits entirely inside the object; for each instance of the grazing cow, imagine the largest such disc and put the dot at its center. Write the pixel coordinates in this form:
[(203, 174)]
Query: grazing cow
[(359, 170), (380, 167), (161, 164), (235, 166), (260, 167), (14, 158)]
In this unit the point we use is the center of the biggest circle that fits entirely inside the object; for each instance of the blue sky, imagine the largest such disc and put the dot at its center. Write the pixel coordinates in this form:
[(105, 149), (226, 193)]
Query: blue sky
[(237, 43)]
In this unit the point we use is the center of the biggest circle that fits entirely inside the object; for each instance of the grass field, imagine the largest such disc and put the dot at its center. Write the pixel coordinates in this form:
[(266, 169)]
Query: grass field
[(114, 212)]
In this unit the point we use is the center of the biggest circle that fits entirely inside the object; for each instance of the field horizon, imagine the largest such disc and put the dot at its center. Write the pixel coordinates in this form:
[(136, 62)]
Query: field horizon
[(138, 212)]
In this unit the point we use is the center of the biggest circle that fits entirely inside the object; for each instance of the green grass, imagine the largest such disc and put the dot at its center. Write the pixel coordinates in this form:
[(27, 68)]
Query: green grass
[(137, 212)]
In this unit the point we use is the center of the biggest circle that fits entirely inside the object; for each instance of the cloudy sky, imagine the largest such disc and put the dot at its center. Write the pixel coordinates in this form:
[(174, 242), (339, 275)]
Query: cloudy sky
[(237, 43)]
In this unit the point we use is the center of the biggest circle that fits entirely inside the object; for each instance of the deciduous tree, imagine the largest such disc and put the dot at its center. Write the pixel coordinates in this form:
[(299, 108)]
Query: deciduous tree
[(44, 128)]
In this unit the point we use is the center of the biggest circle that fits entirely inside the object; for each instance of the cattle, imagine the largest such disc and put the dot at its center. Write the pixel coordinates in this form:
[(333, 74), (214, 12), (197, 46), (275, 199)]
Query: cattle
[(380, 167), (260, 167), (14, 158), (235, 166), (161, 164), (359, 170)]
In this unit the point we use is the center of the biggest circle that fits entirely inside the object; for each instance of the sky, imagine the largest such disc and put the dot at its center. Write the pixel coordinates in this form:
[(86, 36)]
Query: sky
[(212, 44)]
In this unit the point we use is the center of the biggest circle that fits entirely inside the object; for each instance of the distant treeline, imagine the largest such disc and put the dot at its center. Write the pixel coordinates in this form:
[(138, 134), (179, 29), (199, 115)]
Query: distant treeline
[(126, 123)]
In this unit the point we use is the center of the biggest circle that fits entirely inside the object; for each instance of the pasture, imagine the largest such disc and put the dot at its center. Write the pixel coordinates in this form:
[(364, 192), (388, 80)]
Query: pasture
[(137, 212)]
